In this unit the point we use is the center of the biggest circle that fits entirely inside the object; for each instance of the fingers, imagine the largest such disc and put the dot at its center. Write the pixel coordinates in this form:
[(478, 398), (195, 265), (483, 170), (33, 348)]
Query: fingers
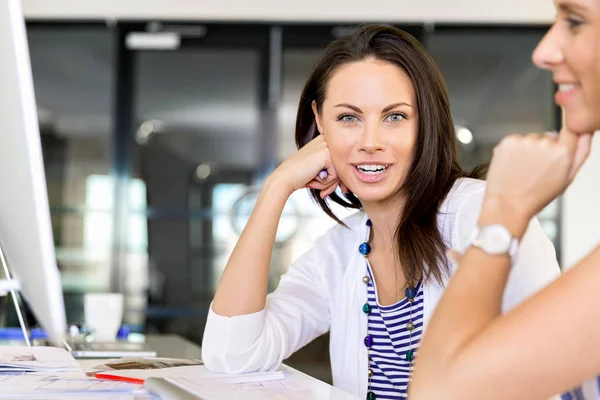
[(325, 179), (527, 172), (582, 150), (325, 176), (315, 184), (568, 139), (325, 188), (578, 148), (328, 190)]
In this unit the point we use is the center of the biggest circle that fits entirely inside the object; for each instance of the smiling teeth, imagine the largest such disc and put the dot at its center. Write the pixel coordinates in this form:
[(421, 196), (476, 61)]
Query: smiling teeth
[(371, 169), (565, 87)]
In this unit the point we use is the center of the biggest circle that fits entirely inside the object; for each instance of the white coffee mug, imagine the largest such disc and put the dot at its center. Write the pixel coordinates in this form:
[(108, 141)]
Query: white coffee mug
[(103, 313)]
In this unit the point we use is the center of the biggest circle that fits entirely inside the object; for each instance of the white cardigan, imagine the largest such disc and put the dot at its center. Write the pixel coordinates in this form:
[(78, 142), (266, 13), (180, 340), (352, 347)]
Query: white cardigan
[(323, 291)]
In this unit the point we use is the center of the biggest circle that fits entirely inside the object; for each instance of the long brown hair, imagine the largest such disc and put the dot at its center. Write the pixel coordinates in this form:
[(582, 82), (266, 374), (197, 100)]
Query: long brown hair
[(435, 167)]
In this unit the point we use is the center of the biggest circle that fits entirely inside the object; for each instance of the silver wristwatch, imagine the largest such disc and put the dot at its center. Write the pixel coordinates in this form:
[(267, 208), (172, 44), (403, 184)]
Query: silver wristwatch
[(494, 240)]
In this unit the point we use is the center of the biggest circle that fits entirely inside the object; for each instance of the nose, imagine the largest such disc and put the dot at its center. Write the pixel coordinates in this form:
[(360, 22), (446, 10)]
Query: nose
[(372, 139), (549, 52)]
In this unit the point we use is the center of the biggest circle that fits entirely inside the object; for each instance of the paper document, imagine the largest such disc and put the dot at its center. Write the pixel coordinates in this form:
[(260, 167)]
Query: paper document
[(28, 386), (195, 372), (129, 363), (88, 396), (36, 358), (283, 389)]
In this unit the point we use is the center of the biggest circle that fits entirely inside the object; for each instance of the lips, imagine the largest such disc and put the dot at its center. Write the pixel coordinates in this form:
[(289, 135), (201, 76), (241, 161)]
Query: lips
[(566, 90), (371, 173)]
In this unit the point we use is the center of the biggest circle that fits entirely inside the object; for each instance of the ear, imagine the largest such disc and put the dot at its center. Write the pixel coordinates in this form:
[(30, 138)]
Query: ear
[(317, 117)]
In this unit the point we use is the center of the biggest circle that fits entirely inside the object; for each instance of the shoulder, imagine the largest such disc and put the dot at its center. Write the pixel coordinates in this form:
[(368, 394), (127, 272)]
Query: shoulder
[(460, 211), (334, 244), (465, 191), (342, 236), (332, 251)]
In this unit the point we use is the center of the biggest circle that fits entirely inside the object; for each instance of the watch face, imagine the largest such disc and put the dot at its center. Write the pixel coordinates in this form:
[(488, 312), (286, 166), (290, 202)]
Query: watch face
[(495, 239)]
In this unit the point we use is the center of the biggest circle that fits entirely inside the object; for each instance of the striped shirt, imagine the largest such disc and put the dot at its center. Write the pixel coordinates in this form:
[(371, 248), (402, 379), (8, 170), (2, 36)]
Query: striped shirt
[(590, 390), (391, 341)]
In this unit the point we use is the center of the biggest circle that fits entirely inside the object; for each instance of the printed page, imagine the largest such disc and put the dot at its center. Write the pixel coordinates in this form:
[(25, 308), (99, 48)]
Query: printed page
[(193, 372), (37, 358), (31, 385)]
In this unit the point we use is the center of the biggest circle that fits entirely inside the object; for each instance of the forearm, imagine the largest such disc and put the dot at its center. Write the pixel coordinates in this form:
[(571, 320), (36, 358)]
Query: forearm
[(545, 346), (470, 351), (471, 301), (243, 286)]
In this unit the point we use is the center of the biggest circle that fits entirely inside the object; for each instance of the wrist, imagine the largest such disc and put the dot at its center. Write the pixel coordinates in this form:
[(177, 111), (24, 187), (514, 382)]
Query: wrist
[(497, 211), (276, 184)]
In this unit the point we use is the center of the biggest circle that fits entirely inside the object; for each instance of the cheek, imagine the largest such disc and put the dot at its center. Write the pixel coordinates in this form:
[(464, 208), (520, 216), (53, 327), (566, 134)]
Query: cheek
[(586, 63), (596, 73), (405, 145), (403, 153), (338, 144)]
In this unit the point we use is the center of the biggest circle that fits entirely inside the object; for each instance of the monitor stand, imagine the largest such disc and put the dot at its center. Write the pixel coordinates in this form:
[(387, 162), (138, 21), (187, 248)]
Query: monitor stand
[(12, 285)]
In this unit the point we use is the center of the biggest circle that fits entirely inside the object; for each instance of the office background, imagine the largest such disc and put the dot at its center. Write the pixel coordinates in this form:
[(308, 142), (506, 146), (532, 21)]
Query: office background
[(158, 125)]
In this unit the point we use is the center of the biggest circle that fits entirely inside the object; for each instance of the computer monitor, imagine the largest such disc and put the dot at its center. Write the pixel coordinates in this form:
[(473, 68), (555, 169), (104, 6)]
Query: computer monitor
[(25, 229)]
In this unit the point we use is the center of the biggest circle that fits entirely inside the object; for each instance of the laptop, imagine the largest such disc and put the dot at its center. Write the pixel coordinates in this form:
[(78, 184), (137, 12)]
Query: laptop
[(111, 350)]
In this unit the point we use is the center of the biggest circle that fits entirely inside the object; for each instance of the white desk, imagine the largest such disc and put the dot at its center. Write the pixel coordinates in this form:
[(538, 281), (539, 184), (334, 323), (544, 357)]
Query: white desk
[(177, 347)]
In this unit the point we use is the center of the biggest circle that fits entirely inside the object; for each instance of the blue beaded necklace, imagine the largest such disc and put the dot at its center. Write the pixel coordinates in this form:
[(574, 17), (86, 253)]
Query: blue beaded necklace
[(410, 293)]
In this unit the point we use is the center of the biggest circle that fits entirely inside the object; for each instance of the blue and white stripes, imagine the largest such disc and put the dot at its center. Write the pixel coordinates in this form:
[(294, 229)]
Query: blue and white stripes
[(391, 341), (590, 390)]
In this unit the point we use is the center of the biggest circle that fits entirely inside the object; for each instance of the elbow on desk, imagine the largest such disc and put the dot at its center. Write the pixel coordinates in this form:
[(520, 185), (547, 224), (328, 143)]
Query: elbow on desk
[(237, 363), (219, 358), (241, 344), (235, 357), (218, 363)]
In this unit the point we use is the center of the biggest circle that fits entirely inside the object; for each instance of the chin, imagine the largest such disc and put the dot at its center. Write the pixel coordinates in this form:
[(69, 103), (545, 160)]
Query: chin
[(372, 196), (581, 120)]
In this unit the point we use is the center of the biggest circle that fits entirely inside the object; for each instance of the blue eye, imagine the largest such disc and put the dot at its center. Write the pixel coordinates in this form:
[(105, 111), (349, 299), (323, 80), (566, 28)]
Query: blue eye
[(396, 117), (347, 118)]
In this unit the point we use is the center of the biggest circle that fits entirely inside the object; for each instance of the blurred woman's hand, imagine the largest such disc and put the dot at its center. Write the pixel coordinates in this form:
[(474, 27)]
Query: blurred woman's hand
[(527, 172)]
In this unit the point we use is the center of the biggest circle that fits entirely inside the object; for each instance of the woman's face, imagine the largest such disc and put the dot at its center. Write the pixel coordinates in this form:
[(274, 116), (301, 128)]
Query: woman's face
[(571, 50), (370, 121)]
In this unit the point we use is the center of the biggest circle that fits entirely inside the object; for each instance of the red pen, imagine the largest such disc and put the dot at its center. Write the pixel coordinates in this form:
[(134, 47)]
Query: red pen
[(111, 377)]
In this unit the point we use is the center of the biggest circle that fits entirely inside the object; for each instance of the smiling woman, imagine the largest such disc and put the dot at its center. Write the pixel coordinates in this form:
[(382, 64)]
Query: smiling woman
[(371, 120), (551, 342), (375, 115), (385, 103), (571, 50)]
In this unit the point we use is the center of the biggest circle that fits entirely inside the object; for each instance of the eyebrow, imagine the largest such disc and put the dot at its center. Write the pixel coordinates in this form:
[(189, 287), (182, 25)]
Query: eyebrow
[(569, 6), (386, 109)]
